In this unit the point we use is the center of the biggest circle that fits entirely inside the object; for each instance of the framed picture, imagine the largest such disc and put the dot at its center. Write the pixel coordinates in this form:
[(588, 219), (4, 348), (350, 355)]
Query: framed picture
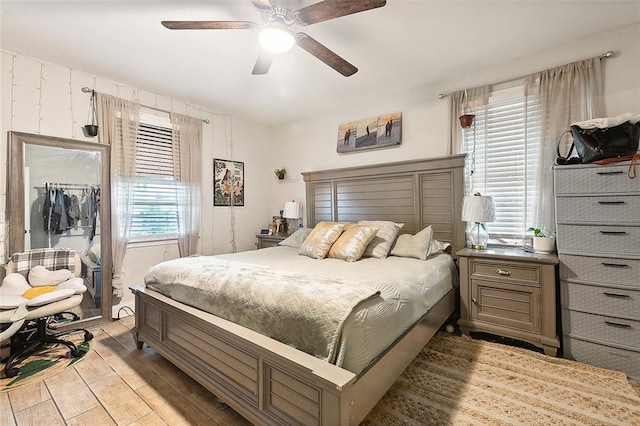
[(373, 132), (228, 183)]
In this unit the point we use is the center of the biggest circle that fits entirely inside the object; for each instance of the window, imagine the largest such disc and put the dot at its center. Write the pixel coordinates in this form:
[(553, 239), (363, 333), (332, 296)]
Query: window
[(506, 136), (155, 203)]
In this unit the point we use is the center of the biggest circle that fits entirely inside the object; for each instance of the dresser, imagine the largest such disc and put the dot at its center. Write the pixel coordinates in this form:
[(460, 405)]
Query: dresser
[(511, 293), (598, 242)]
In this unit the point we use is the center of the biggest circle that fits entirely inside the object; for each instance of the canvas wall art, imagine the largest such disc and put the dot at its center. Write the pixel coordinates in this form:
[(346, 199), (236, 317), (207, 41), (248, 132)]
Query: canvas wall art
[(374, 132), (228, 183)]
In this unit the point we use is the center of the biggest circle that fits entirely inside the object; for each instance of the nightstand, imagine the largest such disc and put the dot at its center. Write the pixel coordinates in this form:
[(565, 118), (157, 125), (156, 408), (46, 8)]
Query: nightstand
[(511, 293), (265, 241)]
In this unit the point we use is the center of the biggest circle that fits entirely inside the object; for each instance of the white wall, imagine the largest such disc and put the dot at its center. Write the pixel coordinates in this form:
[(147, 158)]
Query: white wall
[(44, 98), (310, 144)]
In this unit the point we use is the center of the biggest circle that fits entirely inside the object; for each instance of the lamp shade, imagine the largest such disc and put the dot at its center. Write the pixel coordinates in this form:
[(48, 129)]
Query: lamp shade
[(478, 208), (292, 210)]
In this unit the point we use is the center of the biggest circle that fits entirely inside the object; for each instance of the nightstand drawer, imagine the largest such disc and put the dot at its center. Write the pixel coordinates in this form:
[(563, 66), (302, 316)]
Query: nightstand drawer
[(516, 306), (505, 271)]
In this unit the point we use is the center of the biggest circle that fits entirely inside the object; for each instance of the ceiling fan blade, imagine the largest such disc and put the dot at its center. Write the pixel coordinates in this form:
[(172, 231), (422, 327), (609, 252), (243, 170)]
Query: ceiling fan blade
[(209, 25), (325, 55), (263, 63), (330, 9), (263, 5)]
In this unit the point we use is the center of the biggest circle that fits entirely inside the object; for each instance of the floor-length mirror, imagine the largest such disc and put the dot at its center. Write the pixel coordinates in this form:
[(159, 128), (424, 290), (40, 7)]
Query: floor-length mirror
[(59, 197)]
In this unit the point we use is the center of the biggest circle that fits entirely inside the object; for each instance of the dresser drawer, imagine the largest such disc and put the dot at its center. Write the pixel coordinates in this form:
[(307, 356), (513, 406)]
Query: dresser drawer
[(505, 271), (594, 179), (601, 300), (603, 356), (605, 209), (603, 328), (600, 269), (599, 239), (514, 306)]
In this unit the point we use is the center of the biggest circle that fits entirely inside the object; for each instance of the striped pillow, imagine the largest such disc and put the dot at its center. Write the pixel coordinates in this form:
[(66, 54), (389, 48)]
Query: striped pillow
[(385, 237)]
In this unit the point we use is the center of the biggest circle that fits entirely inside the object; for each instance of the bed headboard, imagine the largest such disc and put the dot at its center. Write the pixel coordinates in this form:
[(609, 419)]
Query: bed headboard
[(417, 193)]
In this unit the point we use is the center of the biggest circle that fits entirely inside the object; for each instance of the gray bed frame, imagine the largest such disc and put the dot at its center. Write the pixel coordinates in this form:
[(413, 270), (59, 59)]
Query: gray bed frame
[(271, 383)]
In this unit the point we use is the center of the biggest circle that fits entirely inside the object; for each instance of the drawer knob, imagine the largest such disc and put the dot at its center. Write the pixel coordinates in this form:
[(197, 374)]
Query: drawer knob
[(503, 272), (474, 300), (616, 295), (617, 324)]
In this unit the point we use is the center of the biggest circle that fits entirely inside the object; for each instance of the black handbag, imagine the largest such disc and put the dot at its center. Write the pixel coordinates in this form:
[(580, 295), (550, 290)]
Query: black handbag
[(598, 144)]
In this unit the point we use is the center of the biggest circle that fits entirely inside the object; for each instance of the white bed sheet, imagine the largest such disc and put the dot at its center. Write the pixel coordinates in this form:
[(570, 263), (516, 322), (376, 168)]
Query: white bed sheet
[(376, 324)]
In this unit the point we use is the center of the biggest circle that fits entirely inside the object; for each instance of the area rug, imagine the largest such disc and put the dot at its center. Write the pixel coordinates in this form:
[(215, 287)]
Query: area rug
[(49, 361), (457, 380)]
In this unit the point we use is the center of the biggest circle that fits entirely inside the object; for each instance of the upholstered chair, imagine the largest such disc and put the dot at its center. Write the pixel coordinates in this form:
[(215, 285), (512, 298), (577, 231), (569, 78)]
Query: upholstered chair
[(39, 290)]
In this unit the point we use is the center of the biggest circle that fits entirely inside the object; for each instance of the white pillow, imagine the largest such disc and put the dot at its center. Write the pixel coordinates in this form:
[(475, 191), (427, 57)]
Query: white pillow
[(296, 239), (381, 244), (416, 246), (39, 276), (436, 247)]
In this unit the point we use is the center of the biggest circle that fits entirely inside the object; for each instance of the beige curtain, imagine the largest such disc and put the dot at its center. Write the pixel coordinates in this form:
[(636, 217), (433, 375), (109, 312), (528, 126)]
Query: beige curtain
[(569, 93), (118, 122), (462, 102), (187, 157)]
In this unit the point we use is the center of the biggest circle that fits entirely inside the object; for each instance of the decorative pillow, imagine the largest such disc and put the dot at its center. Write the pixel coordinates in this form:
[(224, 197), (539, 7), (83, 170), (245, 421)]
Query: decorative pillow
[(296, 239), (352, 243), (319, 241), (413, 245), (39, 275), (437, 247), (381, 244)]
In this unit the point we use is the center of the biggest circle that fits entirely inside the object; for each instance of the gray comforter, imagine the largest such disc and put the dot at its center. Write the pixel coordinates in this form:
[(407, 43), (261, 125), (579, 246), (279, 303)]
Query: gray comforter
[(305, 311)]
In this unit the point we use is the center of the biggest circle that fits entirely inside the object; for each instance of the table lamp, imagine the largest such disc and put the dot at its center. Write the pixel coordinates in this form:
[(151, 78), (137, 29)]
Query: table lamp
[(292, 210), (478, 209)]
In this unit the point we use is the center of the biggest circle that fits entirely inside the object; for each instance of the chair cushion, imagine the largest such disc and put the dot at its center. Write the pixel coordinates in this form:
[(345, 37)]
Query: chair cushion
[(34, 292), (39, 276), (14, 284), (12, 302), (51, 297), (76, 284)]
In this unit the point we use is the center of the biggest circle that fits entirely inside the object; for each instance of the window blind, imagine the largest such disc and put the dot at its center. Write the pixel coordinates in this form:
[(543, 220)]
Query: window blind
[(506, 135), (155, 210)]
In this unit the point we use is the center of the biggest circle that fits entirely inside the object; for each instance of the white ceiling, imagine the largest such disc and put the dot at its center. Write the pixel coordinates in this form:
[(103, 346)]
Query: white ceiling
[(405, 44)]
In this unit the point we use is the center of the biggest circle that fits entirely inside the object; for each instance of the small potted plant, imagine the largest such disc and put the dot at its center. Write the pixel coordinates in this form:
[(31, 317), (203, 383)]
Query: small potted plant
[(543, 240), (280, 173)]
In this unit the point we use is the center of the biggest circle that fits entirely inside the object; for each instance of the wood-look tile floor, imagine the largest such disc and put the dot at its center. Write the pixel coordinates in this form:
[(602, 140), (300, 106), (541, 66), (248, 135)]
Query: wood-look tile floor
[(116, 385)]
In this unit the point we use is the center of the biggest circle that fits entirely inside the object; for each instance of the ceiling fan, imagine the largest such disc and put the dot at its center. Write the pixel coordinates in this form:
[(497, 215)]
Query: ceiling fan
[(276, 35)]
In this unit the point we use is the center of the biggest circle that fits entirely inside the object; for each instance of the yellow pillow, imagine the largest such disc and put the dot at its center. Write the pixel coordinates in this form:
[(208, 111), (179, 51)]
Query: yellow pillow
[(351, 244), (319, 241), (37, 291)]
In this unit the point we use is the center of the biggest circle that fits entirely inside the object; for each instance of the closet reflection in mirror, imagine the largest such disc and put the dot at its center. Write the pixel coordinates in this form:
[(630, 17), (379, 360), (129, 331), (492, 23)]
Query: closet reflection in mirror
[(59, 198)]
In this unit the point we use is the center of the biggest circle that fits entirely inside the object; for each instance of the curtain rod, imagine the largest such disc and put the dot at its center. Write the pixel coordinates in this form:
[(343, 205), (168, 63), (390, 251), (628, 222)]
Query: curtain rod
[(605, 55), (88, 90)]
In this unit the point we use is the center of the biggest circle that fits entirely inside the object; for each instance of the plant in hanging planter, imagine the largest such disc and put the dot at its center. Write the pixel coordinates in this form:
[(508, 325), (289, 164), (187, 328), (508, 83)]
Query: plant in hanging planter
[(466, 120), (543, 240), (91, 130), (280, 173)]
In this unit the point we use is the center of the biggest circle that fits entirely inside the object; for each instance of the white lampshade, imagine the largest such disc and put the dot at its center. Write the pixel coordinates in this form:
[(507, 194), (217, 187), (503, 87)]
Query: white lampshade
[(292, 210), (478, 208)]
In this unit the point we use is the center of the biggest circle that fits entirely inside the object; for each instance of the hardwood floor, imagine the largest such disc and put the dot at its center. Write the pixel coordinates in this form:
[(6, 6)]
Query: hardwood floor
[(116, 385)]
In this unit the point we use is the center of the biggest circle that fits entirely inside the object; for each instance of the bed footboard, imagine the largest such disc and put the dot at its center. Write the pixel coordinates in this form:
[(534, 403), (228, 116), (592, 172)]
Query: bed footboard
[(266, 381)]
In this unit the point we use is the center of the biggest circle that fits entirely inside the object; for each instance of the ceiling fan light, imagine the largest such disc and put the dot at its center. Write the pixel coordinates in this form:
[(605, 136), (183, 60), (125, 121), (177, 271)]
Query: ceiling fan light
[(276, 40)]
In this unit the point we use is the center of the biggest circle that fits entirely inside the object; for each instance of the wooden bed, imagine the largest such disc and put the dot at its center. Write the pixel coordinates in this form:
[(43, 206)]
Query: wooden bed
[(269, 382)]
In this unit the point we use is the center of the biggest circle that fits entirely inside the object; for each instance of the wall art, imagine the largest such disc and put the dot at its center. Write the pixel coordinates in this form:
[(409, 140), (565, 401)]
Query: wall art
[(228, 183), (374, 132)]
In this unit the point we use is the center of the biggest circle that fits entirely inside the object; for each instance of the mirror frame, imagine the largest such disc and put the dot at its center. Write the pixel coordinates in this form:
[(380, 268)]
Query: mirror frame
[(16, 216)]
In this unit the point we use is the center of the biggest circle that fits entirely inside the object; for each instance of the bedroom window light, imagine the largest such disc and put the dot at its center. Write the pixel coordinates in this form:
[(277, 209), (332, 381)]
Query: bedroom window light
[(507, 136), (155, 205)]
